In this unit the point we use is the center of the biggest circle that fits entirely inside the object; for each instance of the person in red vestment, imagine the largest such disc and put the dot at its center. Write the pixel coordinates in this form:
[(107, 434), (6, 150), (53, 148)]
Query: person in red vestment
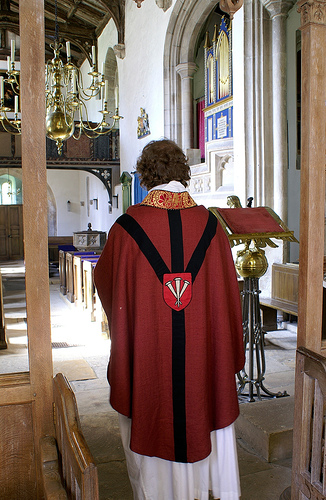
[(167, 282)]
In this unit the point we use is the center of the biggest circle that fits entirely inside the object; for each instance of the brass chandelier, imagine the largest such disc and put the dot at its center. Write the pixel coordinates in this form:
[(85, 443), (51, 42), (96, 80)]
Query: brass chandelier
[(11, 125), (66, 110), (66, 97)]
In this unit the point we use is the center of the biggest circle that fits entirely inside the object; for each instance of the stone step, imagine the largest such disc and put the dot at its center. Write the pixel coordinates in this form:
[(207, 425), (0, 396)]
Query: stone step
[(267, 427)]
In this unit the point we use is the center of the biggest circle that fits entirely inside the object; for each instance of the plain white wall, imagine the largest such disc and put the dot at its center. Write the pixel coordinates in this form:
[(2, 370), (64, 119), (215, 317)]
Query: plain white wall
[(71, 185), (141, 79)]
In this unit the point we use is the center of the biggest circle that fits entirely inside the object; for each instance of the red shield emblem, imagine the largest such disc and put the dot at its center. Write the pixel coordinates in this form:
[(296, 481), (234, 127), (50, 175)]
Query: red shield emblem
[(177, 290)]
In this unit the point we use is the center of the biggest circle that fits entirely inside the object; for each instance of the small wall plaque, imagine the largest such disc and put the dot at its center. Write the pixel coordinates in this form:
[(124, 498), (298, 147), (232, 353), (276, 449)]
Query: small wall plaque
[(143, 124)]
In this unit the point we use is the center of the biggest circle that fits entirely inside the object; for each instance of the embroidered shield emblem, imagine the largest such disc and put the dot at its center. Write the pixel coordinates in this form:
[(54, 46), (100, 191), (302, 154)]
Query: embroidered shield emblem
[(177, 290)]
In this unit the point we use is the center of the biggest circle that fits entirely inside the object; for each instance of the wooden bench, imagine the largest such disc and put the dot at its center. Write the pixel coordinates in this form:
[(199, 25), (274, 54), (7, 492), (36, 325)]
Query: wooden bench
[(269, 308), (62, 266), (79, 281), (68, 468), (70, 273), (285, 285), (53, 245), (91, 301)]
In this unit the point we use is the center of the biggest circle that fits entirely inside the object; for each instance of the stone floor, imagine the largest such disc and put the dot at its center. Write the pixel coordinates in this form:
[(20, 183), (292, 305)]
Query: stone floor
[(81, 352)]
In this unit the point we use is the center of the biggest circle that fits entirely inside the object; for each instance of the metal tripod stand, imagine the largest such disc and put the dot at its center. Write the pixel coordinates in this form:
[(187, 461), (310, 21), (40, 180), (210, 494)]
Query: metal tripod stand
[(253, 338)]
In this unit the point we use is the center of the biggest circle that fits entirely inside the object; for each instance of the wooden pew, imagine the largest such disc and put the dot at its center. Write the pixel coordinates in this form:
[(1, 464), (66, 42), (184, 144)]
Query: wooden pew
[(62, 266), (53, 245), (78, 275), (285, 286), (68, 468), (70, 273), (91, 299)]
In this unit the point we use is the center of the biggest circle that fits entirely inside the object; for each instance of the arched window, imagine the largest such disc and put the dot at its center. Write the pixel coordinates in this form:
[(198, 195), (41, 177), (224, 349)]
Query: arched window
[(10, 190), (5, 193)]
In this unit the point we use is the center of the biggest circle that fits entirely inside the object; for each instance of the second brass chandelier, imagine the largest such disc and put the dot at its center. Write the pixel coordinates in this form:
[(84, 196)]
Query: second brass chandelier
[(66, 97)]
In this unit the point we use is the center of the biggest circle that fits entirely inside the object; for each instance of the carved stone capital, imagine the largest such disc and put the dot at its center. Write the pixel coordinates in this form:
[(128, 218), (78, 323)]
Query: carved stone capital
[(278, 7), (164, 4), (120, 50), (312, 12), (230, 6), (187, 70)]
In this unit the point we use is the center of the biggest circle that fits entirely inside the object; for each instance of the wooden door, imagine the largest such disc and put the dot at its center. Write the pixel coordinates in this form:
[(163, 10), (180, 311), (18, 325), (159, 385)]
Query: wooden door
[(4, 248), (11, 232)]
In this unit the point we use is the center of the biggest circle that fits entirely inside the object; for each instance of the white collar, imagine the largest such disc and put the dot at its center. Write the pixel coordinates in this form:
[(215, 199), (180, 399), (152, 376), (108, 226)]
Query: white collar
[(172, 186)]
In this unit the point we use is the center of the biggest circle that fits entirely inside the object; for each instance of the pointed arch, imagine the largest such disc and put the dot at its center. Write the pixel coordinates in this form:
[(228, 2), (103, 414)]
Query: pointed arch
[(185, 25)]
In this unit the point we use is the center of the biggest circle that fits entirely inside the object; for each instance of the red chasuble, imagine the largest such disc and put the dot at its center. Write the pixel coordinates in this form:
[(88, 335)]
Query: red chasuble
[(167, 282)]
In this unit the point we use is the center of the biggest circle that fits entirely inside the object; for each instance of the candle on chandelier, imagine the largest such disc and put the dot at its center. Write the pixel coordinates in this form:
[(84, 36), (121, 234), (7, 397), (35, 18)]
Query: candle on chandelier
[(116, 96), (1, 87), (68, 49), (74, 86), (106, 91), (12, 50), (16, 104), (9, 63), (102, 72), (93, 55)]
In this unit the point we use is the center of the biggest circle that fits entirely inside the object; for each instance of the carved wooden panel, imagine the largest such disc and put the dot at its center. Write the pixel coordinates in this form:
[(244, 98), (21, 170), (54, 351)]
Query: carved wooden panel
[(309, 463), (78, 467), (79, 149), (285, 283), (17, 471)]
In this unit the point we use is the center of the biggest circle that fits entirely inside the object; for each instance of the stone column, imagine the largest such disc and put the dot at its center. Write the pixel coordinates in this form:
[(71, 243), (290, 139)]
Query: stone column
[(186, 72), (278, 10)]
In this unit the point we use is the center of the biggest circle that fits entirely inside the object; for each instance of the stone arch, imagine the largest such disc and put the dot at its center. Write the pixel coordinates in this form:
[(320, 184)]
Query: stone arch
[(186, 22)]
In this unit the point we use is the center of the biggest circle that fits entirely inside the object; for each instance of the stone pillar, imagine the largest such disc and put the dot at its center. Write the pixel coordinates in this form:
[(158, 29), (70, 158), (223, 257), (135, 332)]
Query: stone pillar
[(278, 10), (186, 72)]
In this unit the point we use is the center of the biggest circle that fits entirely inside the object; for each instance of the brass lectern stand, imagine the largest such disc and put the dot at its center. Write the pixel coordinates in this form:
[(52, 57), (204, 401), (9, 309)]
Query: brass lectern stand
[(253, 227)]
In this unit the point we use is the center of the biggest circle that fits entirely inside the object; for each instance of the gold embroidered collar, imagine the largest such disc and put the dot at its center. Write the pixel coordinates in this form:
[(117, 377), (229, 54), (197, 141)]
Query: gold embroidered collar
[(168, 200)]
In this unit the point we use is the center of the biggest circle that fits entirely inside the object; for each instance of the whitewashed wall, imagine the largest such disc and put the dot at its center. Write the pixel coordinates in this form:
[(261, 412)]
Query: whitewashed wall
[(141, 78), (71, 185)]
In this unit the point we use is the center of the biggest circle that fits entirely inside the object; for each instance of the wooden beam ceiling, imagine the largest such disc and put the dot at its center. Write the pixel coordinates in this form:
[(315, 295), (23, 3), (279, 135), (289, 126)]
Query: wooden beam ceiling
[(79, 21)]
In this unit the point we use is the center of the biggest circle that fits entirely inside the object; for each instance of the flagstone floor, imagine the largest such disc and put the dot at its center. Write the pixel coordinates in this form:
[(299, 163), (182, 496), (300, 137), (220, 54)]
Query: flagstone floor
[(81, 352)]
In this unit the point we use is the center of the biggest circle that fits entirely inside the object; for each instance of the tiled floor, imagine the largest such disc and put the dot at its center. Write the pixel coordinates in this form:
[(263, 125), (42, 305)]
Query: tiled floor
[(260, 480)]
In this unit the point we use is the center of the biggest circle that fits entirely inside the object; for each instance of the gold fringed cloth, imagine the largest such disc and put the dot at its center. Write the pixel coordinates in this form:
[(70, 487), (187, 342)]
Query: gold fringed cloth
[(259, 224)]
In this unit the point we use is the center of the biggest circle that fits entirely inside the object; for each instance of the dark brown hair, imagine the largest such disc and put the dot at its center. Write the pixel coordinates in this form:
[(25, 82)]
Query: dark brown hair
[(161, 162)]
